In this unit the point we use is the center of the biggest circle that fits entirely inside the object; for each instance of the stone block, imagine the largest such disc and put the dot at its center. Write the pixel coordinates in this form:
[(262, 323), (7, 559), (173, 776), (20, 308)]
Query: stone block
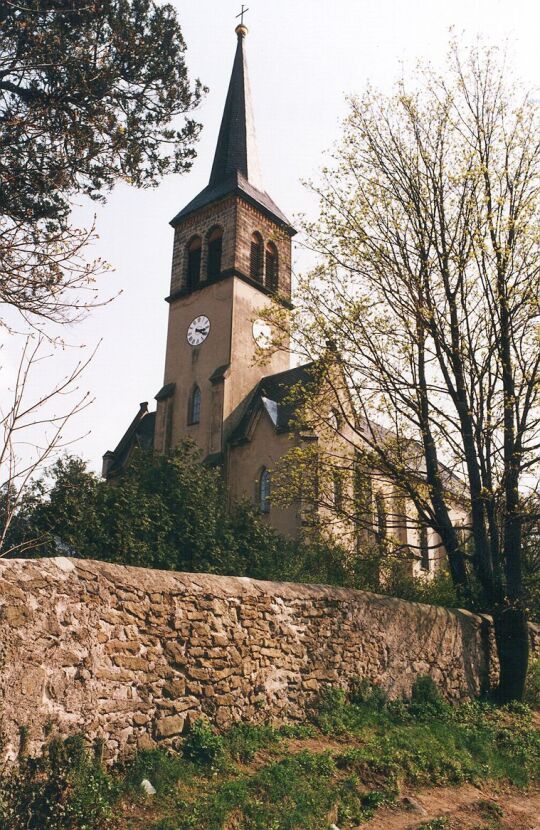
[(169, 726), (145, 743), (175, 688)]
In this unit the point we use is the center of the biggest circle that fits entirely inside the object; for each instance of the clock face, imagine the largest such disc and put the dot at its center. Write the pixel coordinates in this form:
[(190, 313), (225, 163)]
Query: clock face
[(262, 334), (198, 330)]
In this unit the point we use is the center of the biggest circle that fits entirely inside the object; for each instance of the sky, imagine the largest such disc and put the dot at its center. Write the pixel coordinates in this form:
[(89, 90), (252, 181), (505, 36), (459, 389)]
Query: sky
[(305, 57)]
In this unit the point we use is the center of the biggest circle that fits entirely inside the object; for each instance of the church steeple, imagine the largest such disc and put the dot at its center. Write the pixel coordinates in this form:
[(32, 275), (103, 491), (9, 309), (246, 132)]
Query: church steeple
[(236, 169), (236, 150)]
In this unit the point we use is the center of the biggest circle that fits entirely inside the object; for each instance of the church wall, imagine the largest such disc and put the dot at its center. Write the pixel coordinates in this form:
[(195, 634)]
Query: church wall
[(186, 365), (245, 465), (132, 656), (246, 368), (337, 447)]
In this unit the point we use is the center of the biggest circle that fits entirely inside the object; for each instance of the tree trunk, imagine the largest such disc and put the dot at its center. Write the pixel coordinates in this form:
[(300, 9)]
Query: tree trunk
[(512, 638)]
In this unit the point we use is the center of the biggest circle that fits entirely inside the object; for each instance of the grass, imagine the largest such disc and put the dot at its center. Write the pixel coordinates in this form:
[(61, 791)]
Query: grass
[(351, 758)]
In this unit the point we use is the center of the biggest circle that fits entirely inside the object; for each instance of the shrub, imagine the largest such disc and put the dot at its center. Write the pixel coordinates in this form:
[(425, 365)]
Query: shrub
[(203, 746), (362, 691), (426, 699), (532, 687), (64, 788), (424, 690)]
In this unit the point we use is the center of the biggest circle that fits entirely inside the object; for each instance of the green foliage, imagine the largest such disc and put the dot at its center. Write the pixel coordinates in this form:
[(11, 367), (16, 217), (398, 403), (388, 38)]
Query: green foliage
[(162, 769), (243, 740), (532, 686), (64, 788), (361, 691), (426, 698), (88, 97), (203, 746)]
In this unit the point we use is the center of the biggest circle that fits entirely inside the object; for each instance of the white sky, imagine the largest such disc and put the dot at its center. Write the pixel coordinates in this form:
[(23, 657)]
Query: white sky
[(304, 57)]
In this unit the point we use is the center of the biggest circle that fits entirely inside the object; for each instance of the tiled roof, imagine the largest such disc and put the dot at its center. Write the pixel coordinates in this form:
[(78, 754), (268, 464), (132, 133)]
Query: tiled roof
[(280, 395)]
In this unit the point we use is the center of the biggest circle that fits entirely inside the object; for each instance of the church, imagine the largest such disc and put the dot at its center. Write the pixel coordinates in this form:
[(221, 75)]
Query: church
[(232, 260)]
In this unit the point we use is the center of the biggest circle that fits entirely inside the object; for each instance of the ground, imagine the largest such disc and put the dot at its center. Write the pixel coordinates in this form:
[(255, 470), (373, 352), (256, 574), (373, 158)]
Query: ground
[(463, 808)]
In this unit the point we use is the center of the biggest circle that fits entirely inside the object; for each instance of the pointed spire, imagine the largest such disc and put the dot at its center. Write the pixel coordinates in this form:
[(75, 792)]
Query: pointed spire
[(236, 161), (236, 150)]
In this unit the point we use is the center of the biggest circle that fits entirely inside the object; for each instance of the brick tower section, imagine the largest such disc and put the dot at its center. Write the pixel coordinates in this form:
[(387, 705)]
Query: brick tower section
[(238, 220)]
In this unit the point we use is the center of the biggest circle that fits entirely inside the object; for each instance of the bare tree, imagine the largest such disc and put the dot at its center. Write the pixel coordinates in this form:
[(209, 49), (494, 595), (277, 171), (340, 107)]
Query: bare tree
[(428, 292), (33, 432), (44, 274)]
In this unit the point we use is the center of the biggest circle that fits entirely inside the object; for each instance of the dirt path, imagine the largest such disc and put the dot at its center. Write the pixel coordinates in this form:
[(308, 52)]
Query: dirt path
[(465, 808)]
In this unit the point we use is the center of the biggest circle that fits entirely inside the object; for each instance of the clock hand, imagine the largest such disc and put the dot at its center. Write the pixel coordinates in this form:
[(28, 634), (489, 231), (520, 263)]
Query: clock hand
[(201, 331)]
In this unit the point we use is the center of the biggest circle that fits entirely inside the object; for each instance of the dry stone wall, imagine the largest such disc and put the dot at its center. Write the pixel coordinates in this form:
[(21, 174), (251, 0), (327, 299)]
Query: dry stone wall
[(131, 656)]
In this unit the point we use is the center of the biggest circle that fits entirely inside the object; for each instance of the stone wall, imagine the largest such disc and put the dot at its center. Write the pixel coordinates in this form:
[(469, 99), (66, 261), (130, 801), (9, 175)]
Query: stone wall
[(131, 655)]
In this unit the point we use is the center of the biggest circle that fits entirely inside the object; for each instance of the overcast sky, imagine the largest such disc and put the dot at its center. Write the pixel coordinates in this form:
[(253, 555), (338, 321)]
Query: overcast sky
[(304, 57)]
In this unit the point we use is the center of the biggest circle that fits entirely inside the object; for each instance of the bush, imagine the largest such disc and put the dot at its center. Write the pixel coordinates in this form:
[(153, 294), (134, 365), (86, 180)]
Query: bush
[(203, 746), (426, 699), (362, 690), (532, 687), (64, 788)]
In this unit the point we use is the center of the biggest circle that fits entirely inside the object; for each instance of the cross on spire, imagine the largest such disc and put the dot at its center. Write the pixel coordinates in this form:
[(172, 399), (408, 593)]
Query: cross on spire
[(241, 15)]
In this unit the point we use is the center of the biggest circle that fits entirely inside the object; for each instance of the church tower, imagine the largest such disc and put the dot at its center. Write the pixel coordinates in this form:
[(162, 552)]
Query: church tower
[(231, 258)]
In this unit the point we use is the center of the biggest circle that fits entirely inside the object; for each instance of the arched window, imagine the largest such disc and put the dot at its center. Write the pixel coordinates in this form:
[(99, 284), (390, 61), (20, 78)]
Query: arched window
[(194, 252), (337, 481), (382, 521), (194, 411), (264, 491), (215, 245), (271, 267), (256, 257), (423, 544)]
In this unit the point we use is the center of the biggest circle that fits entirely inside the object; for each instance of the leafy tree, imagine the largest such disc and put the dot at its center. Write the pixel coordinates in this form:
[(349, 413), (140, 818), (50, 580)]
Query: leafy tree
[(423, 315), (163, 512), (90, 93)]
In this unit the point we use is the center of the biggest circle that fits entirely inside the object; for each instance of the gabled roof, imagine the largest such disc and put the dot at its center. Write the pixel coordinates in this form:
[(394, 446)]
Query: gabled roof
[(236, 168), (280, 396), (140, 433)]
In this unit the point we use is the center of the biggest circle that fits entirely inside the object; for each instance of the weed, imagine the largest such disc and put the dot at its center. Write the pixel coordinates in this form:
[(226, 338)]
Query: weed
[(203, 746), (489, 810), (163, 769), (297, 730), (440, 823), (63, 788), (532, 687), (243, 740)]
